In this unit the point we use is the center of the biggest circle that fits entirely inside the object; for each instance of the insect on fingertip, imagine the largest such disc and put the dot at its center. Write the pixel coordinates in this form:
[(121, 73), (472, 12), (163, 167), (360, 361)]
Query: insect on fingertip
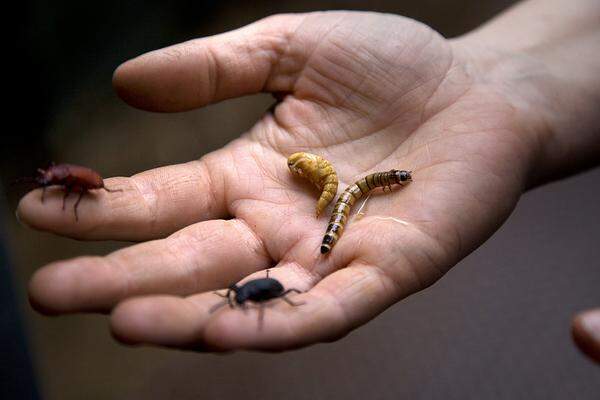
[(72, 179)]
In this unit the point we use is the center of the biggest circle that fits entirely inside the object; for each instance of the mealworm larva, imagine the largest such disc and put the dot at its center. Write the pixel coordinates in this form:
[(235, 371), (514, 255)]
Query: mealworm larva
[(320, 172), (354, 192)]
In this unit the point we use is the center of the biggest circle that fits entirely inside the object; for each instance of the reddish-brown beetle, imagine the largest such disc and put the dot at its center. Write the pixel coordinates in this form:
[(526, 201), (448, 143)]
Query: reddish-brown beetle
[(72, 178)]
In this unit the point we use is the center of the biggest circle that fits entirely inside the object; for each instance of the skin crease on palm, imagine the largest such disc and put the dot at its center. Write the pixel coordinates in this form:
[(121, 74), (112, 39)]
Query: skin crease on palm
[(369, 92)]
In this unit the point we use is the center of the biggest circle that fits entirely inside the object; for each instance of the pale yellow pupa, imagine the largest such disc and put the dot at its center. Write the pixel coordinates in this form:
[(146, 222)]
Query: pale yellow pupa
[(320, 172)]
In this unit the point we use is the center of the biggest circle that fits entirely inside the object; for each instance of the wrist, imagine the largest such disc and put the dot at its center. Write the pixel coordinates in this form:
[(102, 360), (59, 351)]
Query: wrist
[(555, 110)]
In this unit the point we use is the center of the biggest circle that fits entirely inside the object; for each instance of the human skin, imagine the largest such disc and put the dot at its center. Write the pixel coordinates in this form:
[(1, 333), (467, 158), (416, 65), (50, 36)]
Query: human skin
[(478, 119)]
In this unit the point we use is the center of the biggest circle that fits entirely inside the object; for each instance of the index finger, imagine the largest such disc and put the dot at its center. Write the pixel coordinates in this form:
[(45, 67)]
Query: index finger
[(149, 205)]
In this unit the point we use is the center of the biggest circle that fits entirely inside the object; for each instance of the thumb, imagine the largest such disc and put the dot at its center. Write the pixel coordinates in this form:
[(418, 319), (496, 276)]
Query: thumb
[(202, 71)]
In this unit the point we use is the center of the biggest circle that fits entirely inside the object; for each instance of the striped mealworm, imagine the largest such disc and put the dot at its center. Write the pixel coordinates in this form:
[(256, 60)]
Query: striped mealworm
[(320, 172), (354, 192)]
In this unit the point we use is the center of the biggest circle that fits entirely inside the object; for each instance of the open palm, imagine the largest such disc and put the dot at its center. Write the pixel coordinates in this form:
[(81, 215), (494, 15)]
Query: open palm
[(368, 92)]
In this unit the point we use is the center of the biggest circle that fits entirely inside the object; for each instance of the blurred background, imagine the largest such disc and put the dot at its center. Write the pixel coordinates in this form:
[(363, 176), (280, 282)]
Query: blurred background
[(496, 327)]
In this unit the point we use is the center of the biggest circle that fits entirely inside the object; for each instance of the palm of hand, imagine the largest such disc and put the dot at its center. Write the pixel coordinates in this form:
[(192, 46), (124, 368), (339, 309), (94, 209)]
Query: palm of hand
[(369, 93)]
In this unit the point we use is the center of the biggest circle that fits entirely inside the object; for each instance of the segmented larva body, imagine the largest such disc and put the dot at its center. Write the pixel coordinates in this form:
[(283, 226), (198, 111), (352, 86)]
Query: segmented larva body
[(320, 172), (341, 210)]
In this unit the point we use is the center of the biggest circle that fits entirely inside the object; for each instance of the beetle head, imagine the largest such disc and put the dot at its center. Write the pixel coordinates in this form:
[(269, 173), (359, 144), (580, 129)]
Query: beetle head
[(233, 287), (44, 176)]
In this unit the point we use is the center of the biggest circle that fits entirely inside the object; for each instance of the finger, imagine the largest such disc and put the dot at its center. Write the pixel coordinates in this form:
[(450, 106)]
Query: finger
[(149, 205), (198, 72), (183, 322), (202, 257), (586, 333), (343, 300), (164, 320), (336, 305)]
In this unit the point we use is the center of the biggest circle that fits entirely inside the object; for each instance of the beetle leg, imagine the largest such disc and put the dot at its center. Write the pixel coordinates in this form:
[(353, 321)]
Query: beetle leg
[(261, 315), (267, 273), (67, 191), (291, 291), (217, 306), (290, 302), (76, 205)]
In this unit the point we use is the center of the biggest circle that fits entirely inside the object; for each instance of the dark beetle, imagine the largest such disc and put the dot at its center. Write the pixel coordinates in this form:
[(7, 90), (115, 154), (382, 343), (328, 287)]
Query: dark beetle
[(258, 291), (72, 178)]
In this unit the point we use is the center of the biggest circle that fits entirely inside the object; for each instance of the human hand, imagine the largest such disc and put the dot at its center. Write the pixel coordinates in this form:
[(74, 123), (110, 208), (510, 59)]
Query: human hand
[(368, 92), (585, 330)]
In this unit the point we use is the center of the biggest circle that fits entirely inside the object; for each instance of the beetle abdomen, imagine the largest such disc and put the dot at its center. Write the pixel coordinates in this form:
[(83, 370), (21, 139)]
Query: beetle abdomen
[(259, 290), (76, 177), (84, 177)]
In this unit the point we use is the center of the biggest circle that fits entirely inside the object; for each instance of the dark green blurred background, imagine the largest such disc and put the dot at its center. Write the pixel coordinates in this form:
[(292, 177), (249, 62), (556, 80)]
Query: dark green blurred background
[(496, 327)]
